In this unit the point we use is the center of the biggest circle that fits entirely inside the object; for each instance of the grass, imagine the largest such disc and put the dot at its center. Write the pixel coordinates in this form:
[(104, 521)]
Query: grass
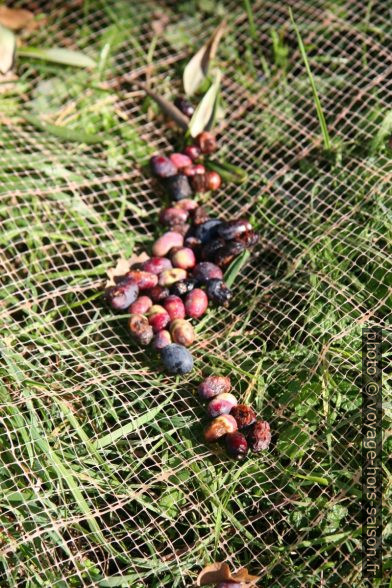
[(105, 479)]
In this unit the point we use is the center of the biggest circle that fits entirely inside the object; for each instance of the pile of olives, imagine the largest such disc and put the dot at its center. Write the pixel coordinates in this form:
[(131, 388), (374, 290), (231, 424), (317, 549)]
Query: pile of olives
[(184, 274), (236, 424)]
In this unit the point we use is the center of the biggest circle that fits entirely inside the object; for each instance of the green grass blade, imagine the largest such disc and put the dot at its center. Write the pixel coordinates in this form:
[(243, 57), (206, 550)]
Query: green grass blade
[(64, 133), (320, 113), (130, 427)]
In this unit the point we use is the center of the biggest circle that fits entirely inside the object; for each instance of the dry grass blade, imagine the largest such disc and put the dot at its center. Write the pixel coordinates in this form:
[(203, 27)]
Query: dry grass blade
[(167, 107)]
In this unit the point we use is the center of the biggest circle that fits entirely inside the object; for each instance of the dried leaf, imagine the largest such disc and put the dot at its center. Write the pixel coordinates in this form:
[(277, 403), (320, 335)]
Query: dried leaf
[(58, 55), (15, 18), (166, 106), (204, 113), (243, 576), (7, 49), (220, 572), (123, 266), (213, 573), (197, 68)]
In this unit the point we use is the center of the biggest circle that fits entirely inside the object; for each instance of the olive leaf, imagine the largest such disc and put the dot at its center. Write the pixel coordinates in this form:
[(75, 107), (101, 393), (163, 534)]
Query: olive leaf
[(229, 172), (166, 106), (204, 114), (58, 55), (197, 68), (7, 49)]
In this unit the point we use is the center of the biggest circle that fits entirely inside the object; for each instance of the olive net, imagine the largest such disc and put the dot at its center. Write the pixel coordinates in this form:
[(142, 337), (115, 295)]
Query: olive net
[(105, 477)]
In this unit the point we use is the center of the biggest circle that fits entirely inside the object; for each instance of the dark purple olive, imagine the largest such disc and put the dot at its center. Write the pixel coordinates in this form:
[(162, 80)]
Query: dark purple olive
[(218, 292), (121, 296), (207, 231), (198, 183), (209, 249), (177, 359), (235, 228), (248, 239), (185, 106), (158, 293), (162, 166), (236, 445), (183, 287), (178, 187), (225, 255), (205, 270)]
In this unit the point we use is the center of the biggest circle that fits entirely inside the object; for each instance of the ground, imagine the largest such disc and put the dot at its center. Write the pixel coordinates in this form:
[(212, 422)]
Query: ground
[(105, 478)]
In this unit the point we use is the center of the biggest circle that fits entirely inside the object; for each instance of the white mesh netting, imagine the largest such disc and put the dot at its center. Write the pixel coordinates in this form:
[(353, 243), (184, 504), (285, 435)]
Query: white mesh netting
[(105, 478)]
